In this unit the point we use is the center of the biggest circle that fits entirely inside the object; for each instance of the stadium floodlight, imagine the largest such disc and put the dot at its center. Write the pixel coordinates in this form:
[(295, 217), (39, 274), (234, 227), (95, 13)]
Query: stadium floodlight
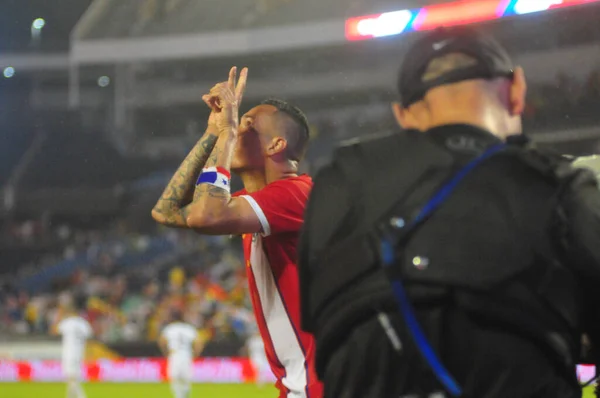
[(103, 81), (38, 24), (9, 72)]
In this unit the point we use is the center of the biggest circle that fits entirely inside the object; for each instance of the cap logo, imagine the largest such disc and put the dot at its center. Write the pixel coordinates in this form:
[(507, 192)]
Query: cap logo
[(441, 44)]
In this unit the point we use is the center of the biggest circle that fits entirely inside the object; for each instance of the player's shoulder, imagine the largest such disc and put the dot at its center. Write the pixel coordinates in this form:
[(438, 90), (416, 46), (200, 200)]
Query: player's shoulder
[(298, 184), (191, 329), (62, 325), (185, 326), (168, 329), (178, 327), (67, 322), (241, 192)]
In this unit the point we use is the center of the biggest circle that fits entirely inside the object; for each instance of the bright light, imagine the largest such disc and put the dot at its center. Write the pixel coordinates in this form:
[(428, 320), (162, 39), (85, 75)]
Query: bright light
[(390, 23), (103, 81), (38, 24), (9, 72), (458, 12), (528, 6), (386, 24)]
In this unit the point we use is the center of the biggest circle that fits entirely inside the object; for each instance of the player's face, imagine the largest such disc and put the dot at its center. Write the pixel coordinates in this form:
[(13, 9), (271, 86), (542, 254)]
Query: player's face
[(249, 153)]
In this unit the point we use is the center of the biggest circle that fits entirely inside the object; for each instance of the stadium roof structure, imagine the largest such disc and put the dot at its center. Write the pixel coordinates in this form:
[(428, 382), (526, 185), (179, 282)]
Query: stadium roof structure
[(145, 18), (146, 30), (16, 22)]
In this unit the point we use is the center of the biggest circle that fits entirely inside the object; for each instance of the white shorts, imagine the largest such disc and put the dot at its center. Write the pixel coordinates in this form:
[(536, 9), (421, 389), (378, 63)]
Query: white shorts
[(178, 369), (71, 369)]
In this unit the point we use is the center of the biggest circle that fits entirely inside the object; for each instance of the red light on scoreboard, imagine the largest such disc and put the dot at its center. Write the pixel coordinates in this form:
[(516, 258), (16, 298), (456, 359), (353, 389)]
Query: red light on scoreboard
[(458, 13)]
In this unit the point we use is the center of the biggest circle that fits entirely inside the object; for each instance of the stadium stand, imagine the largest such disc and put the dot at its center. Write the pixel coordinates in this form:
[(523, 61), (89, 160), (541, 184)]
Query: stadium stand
[(130, 274), (131, 283)]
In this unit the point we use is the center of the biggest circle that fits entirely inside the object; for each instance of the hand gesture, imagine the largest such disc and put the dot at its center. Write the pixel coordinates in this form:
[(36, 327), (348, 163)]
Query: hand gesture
[(224, 100), (212, 103)]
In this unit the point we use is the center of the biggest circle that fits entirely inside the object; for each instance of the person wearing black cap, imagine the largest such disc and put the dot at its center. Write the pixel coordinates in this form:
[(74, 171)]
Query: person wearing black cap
[(453, 258)]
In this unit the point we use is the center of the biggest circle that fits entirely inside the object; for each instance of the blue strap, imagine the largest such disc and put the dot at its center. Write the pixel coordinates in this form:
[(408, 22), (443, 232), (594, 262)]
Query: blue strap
[(447, 189), (407, 312)]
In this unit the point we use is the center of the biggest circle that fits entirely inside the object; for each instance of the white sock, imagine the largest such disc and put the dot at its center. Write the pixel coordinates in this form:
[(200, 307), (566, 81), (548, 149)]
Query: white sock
[(70, 390), (180, 389), (74, 389), (79, 390), (174, 389), (185, 389)]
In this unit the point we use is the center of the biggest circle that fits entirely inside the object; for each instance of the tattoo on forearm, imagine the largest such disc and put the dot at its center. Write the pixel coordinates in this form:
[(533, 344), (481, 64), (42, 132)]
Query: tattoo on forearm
[(210, 190), (180, 190), (207, 145)]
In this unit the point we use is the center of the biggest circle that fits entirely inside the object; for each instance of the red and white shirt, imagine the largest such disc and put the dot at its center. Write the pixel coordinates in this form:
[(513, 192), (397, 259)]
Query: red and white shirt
[(274, 286)]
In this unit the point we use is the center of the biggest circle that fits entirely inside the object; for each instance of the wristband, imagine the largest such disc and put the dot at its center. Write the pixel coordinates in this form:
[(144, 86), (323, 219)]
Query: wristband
[(217, 176)]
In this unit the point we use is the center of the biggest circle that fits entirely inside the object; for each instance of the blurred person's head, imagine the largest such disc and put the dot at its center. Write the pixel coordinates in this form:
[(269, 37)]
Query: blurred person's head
[(460, 76), (177, 316), (72, 305), (273, 134), (65, 300), (152, 289)]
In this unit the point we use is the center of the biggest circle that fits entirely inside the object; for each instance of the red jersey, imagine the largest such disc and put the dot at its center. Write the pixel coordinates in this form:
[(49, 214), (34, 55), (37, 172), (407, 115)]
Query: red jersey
[(274, 285)]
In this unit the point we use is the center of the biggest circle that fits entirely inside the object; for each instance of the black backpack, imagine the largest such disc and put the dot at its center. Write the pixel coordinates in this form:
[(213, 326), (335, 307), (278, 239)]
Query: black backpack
[(417, 181)]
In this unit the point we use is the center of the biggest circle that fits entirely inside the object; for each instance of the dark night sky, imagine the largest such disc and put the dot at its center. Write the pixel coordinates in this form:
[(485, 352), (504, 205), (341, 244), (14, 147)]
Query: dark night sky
[(16, 17)]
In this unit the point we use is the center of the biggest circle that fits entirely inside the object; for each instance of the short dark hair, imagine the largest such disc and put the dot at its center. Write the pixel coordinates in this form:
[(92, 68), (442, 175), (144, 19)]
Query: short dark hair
[(80, 303), (298, 133), (177, 316)]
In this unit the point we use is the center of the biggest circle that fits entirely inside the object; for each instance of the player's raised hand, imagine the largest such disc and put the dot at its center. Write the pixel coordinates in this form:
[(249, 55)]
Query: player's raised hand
[(240, 87), (225, 98), (212, 99), (212, 118)]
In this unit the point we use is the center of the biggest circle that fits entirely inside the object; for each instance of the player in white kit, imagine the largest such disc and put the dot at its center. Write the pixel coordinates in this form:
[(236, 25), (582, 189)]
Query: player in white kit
[(258, 357), (180, 342), (75, 332)]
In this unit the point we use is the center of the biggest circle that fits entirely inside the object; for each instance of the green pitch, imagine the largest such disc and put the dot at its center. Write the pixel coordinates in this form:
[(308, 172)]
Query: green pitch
[(105, 390)]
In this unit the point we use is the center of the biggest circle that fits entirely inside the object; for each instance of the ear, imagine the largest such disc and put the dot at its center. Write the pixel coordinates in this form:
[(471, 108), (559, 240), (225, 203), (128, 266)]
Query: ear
[(275, 146), (403, 117), (518, 92)]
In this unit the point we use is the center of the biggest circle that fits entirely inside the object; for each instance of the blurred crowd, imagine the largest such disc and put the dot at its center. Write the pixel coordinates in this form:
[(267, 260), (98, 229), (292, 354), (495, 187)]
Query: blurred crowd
[(203, 277), (567, 100)]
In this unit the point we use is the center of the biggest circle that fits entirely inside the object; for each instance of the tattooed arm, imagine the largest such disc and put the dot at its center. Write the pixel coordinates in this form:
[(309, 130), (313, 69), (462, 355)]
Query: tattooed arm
[(212, 210), (169, 210)]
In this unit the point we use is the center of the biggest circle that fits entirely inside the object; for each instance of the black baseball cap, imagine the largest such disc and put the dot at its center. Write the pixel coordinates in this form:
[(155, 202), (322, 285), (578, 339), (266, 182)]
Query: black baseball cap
[(492, 61)]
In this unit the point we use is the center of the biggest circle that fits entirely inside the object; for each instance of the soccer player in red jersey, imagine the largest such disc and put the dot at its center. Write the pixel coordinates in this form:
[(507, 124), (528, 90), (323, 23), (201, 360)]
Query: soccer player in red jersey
[(264, 149)]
